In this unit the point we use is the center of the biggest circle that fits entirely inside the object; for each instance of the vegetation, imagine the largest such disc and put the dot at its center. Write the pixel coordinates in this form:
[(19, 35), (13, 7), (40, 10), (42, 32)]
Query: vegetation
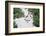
[(35, 16), (15, 25), (18, 13)]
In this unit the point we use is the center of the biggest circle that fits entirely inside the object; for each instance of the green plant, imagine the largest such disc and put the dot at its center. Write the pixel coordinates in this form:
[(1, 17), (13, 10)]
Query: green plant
[(18, 13), (35, 16)]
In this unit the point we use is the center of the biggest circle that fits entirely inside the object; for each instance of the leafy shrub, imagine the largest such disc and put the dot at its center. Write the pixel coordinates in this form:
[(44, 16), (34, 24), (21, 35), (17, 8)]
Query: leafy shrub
[(18, 13), (35, 16)]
